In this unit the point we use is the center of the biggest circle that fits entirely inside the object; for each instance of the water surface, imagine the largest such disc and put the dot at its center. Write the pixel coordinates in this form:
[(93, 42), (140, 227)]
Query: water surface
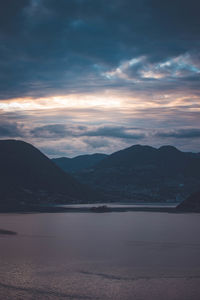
[(118, 256)]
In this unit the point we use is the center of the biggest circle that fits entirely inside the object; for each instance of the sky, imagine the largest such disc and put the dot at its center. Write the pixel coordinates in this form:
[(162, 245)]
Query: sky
[(87, 76)]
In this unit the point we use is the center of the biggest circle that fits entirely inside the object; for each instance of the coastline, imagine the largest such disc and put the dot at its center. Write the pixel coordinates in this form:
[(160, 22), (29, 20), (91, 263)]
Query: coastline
[(61, 209)]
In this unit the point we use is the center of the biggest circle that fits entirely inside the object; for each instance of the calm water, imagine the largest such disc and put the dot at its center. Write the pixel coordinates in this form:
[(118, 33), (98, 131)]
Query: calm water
[(118, 256), (121, 205)]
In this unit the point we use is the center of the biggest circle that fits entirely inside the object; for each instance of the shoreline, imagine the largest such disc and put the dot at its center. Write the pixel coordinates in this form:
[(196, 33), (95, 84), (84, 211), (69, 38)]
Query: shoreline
[(60, 209)]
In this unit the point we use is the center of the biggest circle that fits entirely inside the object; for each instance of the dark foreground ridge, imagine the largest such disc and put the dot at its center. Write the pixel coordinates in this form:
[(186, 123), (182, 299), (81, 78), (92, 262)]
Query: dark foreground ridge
[(192, 203), (28, 177), (30, 182)]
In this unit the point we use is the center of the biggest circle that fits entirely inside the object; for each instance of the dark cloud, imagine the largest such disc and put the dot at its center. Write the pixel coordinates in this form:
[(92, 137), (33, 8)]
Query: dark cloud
[(144, 53), (61, 131), (49, 131), (53, 47), (116, 132), (11, 130), (98, 143), (180, 133), (11, 16), (70, 140)]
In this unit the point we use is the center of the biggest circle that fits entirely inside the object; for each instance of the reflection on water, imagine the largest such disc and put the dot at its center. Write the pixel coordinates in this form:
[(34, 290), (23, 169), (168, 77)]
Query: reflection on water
[(126, 205), (120, 256)]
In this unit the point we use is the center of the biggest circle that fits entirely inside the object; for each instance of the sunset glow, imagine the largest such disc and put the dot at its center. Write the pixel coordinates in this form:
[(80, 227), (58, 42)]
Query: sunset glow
[(98, 66)]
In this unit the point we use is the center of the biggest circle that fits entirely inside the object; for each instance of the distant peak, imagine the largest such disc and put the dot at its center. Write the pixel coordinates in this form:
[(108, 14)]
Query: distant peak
[(168, 148), (139, 147)]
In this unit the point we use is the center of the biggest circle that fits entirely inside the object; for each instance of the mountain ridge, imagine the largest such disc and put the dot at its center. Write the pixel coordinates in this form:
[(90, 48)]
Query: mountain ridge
[(144, 172), (79, 162), (27, 175)]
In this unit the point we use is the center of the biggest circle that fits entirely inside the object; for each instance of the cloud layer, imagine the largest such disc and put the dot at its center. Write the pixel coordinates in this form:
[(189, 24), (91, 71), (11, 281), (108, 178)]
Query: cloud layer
[(79, 76), (55, 47)]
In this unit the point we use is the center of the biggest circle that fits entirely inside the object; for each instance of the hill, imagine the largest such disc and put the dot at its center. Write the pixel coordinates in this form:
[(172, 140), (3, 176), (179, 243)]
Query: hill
[(79, 163), (27, 175), (144, 173), (192, 203)]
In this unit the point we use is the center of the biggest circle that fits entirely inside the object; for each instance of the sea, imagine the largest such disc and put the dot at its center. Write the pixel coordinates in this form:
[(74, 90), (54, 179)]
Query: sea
[(114, 255)]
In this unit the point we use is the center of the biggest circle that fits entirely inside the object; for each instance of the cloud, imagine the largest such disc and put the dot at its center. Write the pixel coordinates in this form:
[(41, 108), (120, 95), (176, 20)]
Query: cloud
[(61, 131), (176, 67), (54, 151), (124, 69), (96, 143), (191, 133), (11, 14), (11, 130), (99, 73), (137, 70), (116, 132), (49, 131), (51, 47)]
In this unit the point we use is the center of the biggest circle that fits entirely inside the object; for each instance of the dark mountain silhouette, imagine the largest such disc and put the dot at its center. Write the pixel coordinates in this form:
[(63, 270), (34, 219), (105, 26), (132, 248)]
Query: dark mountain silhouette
[(79, 163), (27, 175), (145, 173), (167, 158), (192, 203)]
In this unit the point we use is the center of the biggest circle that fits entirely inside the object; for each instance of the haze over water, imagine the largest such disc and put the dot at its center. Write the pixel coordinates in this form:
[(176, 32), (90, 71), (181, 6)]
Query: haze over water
[(132, 255)]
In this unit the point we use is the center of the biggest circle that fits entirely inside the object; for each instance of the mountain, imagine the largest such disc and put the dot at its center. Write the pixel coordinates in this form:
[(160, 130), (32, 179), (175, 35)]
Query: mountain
[(192, 203), (144, 173), (27, 175), (78, 163), (166, 158)]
